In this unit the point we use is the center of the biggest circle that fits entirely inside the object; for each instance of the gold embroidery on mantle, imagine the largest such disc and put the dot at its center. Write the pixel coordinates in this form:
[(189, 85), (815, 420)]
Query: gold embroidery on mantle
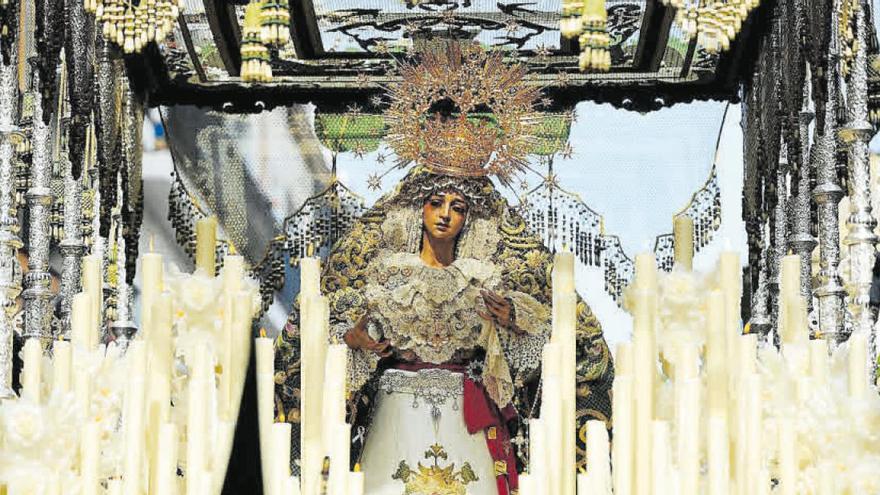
[(435, 479)]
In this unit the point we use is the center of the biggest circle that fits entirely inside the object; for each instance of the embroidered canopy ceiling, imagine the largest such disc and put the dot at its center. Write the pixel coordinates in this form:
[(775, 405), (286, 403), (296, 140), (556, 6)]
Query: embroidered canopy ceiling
[(341, 52)]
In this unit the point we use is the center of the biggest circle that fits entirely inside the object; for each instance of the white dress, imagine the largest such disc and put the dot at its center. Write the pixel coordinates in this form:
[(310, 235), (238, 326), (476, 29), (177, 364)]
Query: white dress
[(418, 442)]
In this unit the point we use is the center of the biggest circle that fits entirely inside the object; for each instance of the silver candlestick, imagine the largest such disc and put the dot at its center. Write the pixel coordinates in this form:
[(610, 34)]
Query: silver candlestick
[(10, 270), (827, 194), (71, 247), (802, 241), (855, 134), (38, 294)]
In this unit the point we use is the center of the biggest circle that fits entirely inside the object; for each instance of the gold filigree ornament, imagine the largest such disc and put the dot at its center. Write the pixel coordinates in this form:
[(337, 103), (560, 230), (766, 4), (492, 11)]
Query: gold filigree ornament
[(463, 111), (435, 479)]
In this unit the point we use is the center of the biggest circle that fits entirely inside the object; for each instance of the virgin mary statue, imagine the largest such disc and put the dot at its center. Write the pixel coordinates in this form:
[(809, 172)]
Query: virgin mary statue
[(443, 298)]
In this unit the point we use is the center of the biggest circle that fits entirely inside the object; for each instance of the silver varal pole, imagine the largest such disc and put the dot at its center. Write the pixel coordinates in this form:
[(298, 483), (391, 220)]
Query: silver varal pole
[(71, 246), (10, 270), (802, 240), (855, 134), (827, 194), (38, 294)]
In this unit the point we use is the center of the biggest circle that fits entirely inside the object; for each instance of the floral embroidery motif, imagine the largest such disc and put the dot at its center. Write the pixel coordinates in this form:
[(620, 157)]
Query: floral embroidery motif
[(435, 479)]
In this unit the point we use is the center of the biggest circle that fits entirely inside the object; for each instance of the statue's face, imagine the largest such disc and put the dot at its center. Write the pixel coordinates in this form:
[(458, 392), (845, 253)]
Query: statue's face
[(444, 215)]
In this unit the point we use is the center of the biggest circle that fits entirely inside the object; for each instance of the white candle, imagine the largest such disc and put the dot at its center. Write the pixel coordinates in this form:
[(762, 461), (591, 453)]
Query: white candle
[(598, 457), (787, 457), (820, 364), (206, 245), (93, 284), (153, 283), (730, 277), (623, 359), (356, 482), (826, 478), (31, 377), (265, 401), (643, 389), (688, 426), (90, 456), (661, 462), (751, 385), (166, 461), (551, 414), (789, 290), (280, 458), (584, 486), (233, 273), (718, 454), (82, 392), (61, 366), (748, 350), (291, 486), (622, 447), (646, 271), (339, 459), (333, 403), (551, 360), (81, 321), (310, 275), (538, 467), (133, 418), (858, 366), (201, 382), (716, 354), (563, 272), (526, 485), (683, 245), (114, 487), (313, 349)]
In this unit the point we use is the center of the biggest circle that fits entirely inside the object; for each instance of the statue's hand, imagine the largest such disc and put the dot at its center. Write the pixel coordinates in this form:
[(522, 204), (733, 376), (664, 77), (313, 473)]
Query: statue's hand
[(358, 338), (499, 310)]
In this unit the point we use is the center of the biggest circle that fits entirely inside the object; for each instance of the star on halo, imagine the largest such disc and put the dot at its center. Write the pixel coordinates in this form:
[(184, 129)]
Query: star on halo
[(374, 182)]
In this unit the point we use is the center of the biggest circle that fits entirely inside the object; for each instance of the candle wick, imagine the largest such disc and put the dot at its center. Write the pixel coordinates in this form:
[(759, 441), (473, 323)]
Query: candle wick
[(152, 239)]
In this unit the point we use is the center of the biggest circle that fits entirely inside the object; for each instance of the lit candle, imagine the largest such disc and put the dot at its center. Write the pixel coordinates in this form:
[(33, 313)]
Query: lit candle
[(166, 461), (310, 276), (683, 245), (133, 418), (280, 458), (748, 350), (233, 272), (206, 245), (61, 366), (31, 377), (858, 366), (718, 454), (597, 458), (90, 456), (622, 447), (787, 457), (564, 324), (583, 484), (152, 282), (356, 482), (526, 485), (93, 284), (339, 459)]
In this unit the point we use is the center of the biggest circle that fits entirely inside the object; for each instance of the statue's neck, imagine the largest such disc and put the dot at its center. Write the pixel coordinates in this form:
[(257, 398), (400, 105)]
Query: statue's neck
[(437, 253)]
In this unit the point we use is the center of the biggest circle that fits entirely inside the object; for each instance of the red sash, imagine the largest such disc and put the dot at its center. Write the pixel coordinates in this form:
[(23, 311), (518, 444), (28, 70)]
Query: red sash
[(482, 414)]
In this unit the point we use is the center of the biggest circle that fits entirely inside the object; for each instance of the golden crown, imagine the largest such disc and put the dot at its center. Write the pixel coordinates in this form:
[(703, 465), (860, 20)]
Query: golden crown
[(462, 111)]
